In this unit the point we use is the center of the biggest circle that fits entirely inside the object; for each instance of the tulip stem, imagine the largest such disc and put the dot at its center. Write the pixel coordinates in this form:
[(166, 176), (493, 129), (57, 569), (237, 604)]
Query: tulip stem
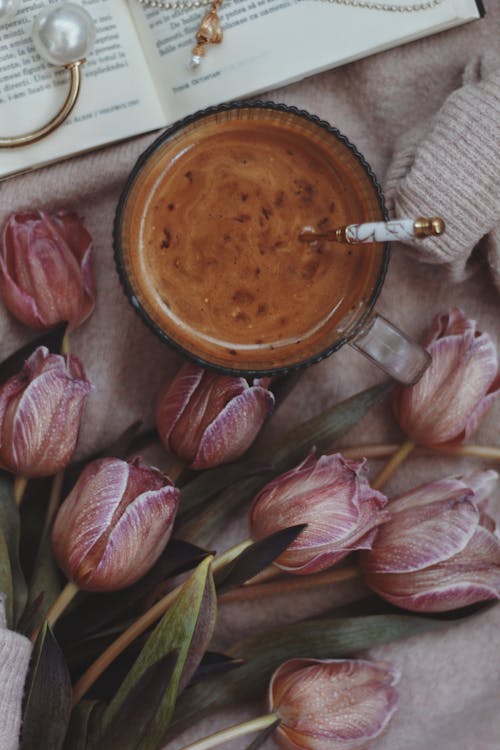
[(19, 489), (290, 585), (139, 626), (65, 597), (385, 450), (393, 464), (65, 343), (54, 500), (230, 733), (228, 556)]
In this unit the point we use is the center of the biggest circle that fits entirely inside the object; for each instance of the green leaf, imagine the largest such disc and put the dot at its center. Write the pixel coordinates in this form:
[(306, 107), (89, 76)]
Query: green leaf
[(10, 527), (131, 723), (100, 610), (255, 558), (48, 696), (186, 627), (323, 430), (329, 638)]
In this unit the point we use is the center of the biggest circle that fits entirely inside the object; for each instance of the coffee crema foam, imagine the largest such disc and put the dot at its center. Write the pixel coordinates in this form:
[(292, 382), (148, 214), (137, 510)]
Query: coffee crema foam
[(214, 254)]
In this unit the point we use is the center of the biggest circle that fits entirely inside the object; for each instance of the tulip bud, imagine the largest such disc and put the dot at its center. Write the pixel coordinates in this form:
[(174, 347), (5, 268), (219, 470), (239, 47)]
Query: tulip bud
[(40, 414), (45, 269), (338, 704), (439, 550), (461, 383), (332, 496), (114, 524), (206, 419)]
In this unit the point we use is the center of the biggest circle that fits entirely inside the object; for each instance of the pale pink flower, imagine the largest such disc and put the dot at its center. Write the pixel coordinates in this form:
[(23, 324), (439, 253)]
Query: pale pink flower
[(114, 524), (45, 269), (446, 405), (439, 550), (337, 704), (332, 496), (40, 414), (206, 419)]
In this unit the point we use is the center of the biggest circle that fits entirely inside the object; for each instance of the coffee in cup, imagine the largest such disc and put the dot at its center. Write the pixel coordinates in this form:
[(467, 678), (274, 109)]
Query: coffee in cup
[(207, 238)]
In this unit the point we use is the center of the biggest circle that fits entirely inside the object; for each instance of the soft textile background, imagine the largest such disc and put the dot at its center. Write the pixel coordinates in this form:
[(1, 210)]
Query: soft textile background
[(426, 117)]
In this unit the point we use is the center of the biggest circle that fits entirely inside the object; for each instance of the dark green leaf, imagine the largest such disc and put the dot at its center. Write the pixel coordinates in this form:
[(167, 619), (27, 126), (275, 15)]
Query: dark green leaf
[(47, 706), (11, 528), (316, 639), (255, 558), (212, 518), (82, 727), (45, 581), (262, 737), (130, 724), (323, 430), (187, 627), (6, 591), (13, 364), (209, 483), (214, 663), (100, 610)]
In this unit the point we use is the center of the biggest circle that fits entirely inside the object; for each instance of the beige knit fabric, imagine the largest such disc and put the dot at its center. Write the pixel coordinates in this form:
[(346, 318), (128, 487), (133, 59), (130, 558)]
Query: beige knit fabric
[(15, 652), (449, 168)]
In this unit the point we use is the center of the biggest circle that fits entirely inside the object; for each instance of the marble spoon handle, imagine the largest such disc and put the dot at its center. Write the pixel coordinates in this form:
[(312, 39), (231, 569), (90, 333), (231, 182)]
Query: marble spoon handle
[(379, 231)]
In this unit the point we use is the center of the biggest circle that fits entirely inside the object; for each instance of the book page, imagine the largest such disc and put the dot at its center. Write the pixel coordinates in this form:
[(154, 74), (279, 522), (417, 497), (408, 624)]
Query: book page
[(271, 42), (117, 98)]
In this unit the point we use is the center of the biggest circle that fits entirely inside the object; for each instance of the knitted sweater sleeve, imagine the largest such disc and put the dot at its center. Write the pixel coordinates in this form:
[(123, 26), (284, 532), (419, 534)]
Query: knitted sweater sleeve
[(15, 652), (451, 168)]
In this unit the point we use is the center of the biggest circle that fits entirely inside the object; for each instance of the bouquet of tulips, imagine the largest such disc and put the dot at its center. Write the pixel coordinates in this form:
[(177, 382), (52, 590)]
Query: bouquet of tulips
[(104, 564)]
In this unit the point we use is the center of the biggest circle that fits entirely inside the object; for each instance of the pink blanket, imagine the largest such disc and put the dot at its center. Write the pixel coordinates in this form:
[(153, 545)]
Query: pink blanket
[(426, 116)]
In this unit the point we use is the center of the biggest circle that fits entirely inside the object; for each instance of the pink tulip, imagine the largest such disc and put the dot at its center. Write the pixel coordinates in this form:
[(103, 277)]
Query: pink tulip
[(40, 414), (459, 386), (45, 269), (439, 550), (206, 419), (338, 704), (114, 524), (332, 496)]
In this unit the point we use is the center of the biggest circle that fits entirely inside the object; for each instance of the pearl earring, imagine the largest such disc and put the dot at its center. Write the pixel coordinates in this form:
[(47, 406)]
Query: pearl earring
[(63, 35), (8, 9)]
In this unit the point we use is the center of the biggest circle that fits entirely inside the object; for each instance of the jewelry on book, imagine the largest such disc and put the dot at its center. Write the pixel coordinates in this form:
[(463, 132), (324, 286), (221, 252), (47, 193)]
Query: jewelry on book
[(63, 35), (8, 9), (210, 30)]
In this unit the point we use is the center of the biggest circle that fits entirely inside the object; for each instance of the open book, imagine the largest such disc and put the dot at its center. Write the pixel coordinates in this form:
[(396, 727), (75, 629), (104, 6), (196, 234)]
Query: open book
[(137, 79)]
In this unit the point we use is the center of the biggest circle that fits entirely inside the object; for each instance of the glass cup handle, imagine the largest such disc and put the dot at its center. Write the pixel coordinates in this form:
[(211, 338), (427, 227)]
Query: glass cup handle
[(391, 350)]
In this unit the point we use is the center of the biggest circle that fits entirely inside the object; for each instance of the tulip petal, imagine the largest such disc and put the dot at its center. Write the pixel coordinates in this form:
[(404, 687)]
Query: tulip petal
[(482, 483), (462, 370), (235, 427), (470, 577), (87, 513), (136, 540), (175, 398), (46, 424), (424, 535), (480, 409), (333, 498), (333, 704)]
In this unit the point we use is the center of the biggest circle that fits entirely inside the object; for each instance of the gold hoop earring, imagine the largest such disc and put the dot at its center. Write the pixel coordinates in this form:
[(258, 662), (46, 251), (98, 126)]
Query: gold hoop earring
[(63, 35)]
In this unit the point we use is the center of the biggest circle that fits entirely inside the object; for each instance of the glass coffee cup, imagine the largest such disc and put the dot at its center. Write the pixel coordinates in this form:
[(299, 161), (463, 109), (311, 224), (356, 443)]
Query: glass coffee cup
[(208, 248)]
